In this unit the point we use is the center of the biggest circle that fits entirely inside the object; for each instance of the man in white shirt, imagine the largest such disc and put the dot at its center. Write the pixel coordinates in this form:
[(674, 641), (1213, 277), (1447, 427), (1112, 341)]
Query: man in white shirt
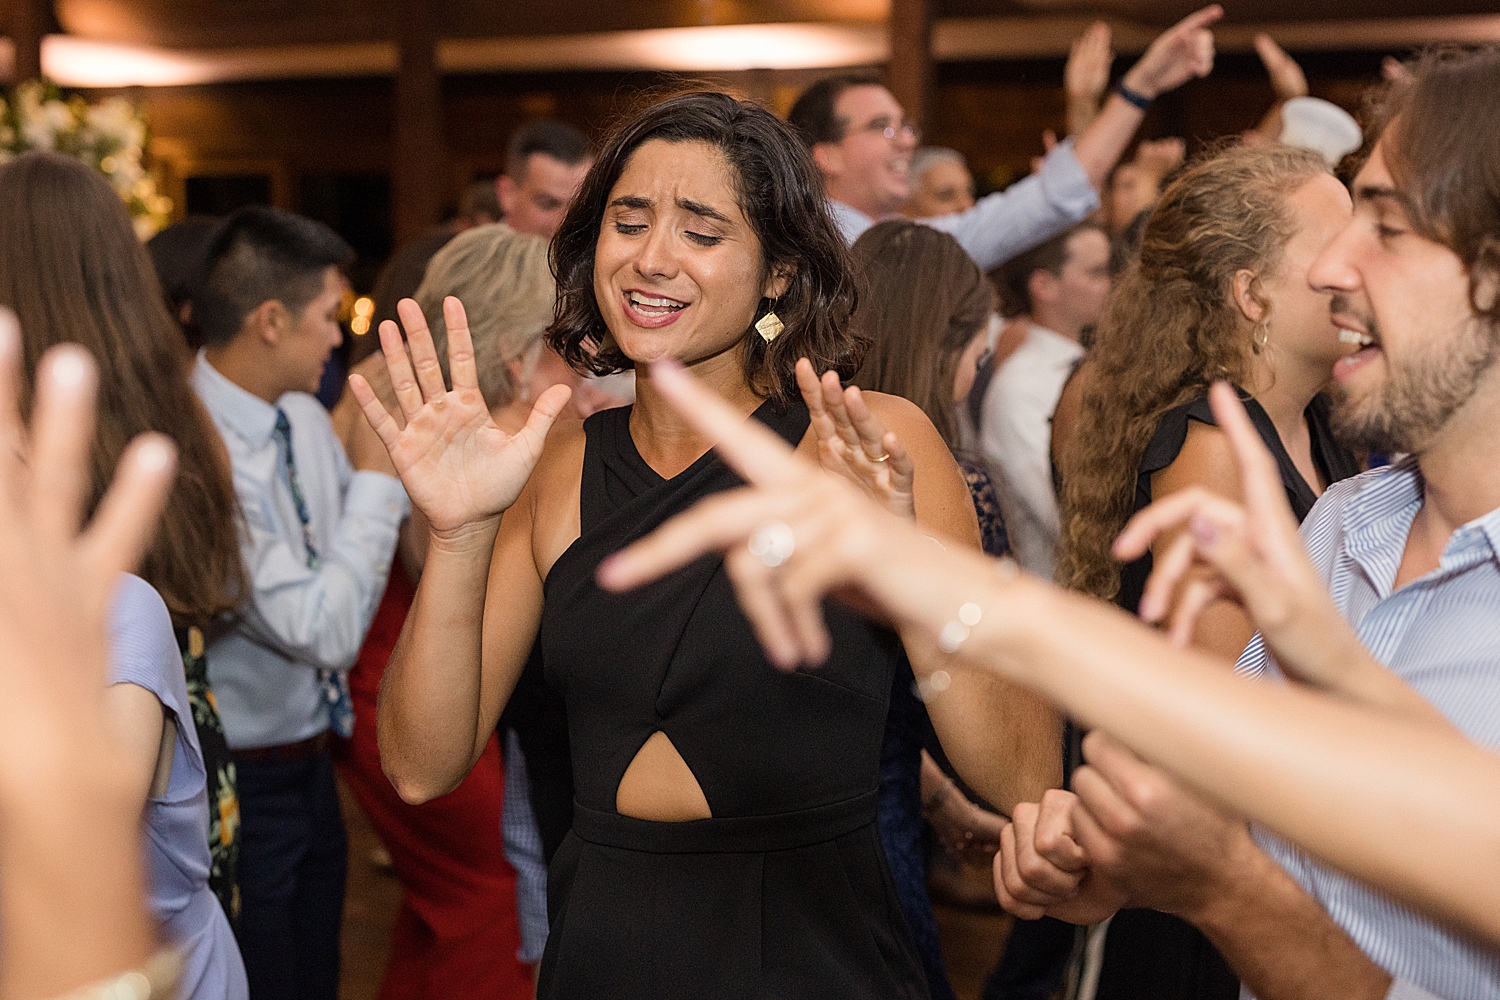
[(1057, 290), (863, 145), (317, 543)]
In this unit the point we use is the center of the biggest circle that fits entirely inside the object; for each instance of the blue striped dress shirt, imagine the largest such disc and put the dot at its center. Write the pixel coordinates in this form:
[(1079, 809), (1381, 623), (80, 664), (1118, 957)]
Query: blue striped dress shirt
[(1441, 633)]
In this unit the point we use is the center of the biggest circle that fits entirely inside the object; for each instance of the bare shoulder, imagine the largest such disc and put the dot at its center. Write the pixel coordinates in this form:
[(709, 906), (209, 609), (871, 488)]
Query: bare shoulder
[(1207, 459), (552, 494), (907, 421)]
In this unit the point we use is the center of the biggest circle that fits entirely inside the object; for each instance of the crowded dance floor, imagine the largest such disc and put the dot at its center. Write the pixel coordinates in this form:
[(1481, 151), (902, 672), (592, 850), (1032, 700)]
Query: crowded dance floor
[(937, 500)]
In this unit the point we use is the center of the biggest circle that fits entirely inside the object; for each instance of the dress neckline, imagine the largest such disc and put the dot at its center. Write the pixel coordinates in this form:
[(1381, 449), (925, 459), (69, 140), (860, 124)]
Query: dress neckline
[(624, 445)]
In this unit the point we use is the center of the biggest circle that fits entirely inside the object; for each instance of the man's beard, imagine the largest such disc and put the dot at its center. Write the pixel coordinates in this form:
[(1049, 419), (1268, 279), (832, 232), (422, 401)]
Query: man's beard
[(1417, 398)]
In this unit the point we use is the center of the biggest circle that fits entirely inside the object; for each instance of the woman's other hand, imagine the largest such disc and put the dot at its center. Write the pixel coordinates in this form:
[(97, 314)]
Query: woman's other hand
[(853, 443), (458, 467)]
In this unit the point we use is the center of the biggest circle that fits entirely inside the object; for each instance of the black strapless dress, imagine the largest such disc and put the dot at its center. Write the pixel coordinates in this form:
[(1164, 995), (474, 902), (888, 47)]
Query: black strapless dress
[(785, 891)]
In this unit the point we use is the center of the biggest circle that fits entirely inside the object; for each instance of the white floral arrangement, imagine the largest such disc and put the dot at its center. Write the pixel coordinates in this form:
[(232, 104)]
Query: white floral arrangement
[(109, 135)]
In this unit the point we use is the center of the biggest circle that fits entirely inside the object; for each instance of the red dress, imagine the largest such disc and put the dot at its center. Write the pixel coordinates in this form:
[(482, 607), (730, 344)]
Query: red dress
[(456, 934)]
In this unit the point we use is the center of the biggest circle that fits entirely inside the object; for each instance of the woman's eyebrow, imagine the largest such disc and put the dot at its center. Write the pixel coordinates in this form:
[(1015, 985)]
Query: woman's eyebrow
[(632, 201), (698, 208)]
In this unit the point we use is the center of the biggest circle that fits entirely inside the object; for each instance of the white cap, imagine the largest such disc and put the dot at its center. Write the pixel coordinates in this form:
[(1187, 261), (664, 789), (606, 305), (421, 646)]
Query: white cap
[(1315, 124)]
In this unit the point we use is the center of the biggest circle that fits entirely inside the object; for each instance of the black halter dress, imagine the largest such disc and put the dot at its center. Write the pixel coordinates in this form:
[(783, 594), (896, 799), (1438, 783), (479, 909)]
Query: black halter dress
[(785, 891)]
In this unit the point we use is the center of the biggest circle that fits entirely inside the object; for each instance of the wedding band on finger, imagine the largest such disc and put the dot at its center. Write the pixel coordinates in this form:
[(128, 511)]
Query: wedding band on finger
[(773, 544), (881, 458)]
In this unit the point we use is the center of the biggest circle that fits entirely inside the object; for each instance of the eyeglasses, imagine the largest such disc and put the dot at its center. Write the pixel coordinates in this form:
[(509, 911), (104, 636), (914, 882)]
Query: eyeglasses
[(882, 126)]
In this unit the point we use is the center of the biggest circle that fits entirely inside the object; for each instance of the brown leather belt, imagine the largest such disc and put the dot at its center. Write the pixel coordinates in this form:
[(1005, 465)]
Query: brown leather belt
[(310, 747)]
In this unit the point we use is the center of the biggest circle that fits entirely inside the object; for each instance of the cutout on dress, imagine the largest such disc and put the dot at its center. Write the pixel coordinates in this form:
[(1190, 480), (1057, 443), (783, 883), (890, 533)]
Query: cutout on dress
[(658, 785)]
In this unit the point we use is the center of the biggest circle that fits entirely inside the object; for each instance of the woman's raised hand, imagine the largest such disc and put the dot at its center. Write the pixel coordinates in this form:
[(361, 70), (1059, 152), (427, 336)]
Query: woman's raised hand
[(854, 444), (458, 467)]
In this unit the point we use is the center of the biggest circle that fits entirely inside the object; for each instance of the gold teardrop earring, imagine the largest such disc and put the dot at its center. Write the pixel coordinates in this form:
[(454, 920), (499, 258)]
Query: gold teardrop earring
[(769, 326)]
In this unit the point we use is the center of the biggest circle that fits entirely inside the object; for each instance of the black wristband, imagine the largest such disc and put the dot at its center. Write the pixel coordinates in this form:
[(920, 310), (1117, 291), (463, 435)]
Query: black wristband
[(1133, 97)]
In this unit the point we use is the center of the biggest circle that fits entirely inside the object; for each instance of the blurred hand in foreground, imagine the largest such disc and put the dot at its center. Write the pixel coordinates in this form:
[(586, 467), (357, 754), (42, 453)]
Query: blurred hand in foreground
[(73, 898)]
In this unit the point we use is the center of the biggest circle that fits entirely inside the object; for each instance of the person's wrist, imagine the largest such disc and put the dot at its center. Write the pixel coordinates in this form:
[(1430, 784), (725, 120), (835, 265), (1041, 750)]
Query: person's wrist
[(1138, 81), (466, 539), (1222, 894), (998, 642)]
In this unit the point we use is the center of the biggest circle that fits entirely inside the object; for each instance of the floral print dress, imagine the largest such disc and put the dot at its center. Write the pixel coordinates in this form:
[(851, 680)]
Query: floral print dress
[(223, 801)]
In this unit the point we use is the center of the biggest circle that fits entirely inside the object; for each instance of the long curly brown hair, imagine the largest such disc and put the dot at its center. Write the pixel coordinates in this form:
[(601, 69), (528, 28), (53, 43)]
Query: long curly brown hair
[(1172, 328)]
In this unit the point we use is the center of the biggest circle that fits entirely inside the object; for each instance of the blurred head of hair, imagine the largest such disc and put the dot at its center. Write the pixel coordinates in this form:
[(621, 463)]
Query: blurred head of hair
[(502, 278), (258, 255), (74, 272), (923, 301), (1440, 137)]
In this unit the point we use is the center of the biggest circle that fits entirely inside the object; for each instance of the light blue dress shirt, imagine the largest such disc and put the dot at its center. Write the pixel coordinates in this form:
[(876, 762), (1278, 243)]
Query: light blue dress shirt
[(1007, 223), (296, 620), (1441, 634)]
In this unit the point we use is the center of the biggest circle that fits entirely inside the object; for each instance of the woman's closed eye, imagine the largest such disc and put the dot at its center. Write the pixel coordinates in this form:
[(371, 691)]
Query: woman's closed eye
[(705, 239), (630, 228)]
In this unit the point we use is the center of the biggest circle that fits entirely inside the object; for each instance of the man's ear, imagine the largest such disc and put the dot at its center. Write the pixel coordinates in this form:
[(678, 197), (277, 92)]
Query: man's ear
[(1484, 279), (1043, 286), (505, 192), (269, 321), (1251, 305), (829, 156)]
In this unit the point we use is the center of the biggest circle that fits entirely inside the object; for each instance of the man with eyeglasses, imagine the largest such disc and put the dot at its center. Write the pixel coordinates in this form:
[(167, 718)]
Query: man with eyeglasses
[(863, 144)]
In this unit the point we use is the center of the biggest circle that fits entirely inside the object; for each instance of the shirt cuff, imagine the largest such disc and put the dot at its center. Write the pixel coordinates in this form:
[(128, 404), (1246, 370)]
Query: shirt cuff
[(377, 495), (1405, 989), (1065, 183)]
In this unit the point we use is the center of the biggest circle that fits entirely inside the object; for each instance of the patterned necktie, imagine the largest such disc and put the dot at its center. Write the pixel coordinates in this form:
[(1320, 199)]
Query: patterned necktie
[(334, 684)]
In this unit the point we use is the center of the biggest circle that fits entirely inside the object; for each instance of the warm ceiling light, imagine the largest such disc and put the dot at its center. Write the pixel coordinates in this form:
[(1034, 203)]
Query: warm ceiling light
[(693, 50), (82, 62)]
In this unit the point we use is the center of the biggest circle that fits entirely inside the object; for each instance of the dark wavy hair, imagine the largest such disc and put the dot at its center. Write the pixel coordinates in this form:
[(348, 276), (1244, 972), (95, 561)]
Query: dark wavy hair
[(781, 194)]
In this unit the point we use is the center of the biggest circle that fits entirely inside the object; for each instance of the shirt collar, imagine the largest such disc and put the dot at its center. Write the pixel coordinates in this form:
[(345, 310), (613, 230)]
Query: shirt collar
[(1378, 520), (245, 413)]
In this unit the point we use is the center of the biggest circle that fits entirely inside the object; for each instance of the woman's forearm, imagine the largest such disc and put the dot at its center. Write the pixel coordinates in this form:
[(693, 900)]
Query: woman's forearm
[(1408, 806), (429, 696), (1405, 804)]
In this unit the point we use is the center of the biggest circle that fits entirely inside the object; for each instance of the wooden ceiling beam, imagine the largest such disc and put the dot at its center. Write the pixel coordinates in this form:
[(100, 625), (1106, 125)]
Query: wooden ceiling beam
[(81, 62)]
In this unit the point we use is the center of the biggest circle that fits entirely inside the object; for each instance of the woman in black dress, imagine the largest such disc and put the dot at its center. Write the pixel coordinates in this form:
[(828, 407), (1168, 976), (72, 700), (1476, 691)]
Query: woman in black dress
[(1219, 290), (724, 841)]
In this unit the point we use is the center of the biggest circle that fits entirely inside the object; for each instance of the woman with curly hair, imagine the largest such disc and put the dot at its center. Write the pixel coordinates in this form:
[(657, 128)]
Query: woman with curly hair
[(1219, 290)]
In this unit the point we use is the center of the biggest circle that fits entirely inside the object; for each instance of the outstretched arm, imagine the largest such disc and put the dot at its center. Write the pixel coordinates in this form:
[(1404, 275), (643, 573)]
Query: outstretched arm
[(1183, 52), (1406, 805)]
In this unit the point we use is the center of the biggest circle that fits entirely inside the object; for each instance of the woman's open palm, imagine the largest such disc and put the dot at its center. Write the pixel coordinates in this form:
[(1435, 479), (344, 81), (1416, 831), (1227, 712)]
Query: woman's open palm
[(458, 467)]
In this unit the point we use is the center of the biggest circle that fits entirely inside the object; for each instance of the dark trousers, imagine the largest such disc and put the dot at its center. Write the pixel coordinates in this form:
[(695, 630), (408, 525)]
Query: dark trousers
[(293, 858)]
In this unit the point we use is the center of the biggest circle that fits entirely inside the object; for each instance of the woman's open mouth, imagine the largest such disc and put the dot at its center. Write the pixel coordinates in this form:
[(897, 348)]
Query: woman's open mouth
[(652, 310)]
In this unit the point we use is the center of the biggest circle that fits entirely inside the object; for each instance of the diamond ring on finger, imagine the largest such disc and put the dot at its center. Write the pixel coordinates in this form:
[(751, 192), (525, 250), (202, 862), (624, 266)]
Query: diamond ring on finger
[(773, 544)]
